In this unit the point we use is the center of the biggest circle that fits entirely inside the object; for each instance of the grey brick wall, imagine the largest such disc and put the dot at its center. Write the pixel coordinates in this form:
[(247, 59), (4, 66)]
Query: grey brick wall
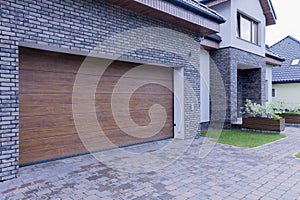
[(83, 26), (253, 86), (227, 61)]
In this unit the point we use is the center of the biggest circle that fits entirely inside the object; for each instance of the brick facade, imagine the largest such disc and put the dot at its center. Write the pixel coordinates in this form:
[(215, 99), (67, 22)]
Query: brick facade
[(83, 26), (239, 85)]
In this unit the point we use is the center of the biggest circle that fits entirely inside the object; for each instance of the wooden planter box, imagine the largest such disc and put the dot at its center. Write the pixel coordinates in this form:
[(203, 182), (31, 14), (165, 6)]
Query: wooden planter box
[(277, 125), (291, 118)]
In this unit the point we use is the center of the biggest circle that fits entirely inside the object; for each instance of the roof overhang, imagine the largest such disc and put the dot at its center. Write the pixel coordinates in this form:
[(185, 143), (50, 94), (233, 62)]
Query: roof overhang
[(269, 12), (274, 60), (211, 3), (266, 5), (199, 18), (211, 42)]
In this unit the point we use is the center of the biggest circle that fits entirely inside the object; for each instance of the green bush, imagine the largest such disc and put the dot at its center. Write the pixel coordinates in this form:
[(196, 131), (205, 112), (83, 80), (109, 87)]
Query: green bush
[(281, 107)]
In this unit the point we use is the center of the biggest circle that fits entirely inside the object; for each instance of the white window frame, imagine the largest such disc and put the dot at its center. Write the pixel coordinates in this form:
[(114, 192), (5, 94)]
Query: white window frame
[(254, 34)]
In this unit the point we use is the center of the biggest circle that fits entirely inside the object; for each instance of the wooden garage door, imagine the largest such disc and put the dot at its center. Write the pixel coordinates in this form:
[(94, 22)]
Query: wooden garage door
[(47, 128)]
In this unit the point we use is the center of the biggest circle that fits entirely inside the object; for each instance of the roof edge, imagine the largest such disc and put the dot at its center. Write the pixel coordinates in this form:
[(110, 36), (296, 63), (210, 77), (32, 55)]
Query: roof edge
[(270, 55), (289, 36), (269, 12), (267, 6), (286, 81), (195, 9)]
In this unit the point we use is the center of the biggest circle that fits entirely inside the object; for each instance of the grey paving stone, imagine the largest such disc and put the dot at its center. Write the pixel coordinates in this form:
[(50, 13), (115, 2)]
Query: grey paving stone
[(266, 172)]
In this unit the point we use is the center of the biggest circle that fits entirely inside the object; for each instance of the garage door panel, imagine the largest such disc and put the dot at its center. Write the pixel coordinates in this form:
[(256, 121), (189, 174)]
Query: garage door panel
[(55, 88), (133, 81), (46, 121), (58, 109), (58, 62), (28, 157), (105, 99), (30, 99), (47, 127), (38, 144), (119, 138), (33, 76), (151, 89), (50, 143), (46, 88), (148, 72), (45, 132)]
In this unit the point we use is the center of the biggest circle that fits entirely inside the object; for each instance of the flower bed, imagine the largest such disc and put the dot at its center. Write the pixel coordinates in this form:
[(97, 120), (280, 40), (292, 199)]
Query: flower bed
[(291, 118), (255, 123), (262, 117)]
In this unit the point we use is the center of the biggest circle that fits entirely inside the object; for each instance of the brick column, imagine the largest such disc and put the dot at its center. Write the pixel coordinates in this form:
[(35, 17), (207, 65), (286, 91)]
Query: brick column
[(9, 107)]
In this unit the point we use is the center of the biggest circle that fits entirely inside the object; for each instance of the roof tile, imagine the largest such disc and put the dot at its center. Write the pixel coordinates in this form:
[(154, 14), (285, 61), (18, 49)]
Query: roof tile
[(289, 48)]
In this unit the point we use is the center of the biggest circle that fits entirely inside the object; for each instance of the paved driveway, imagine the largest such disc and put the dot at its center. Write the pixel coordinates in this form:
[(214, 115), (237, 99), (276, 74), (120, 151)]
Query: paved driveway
[(267, 172)]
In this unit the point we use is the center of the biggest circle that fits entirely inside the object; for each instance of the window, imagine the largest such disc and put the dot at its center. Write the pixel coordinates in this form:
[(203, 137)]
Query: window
[(247, 29), (295, 62), (273, 92)]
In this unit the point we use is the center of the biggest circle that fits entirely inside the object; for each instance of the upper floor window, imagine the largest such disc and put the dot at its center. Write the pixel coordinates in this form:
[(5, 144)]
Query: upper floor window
[(247, 28)]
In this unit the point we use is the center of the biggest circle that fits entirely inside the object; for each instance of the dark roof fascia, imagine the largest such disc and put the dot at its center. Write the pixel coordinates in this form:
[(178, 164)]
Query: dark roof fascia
[(286, 81), (214, 37), (196, 10), (206, 1), (272, 9), (275, 57)]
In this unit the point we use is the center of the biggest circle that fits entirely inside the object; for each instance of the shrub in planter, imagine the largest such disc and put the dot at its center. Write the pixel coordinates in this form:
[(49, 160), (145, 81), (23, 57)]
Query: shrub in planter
[(281, 107), (253, 109), (262, 117), (290, 113)]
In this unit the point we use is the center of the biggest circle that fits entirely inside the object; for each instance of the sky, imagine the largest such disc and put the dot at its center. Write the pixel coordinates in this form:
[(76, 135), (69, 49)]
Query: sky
[(288, 15)]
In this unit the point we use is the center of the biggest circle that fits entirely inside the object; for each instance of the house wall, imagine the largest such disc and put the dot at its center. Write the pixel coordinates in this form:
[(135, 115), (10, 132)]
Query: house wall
[(240, 63), (288, 93), (228, 61), (228, 30), (268, 83), (204, 86), (80, 27)]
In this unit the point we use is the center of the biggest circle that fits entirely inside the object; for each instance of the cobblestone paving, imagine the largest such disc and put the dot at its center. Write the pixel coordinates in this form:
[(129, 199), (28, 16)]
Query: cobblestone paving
[(267, 172)]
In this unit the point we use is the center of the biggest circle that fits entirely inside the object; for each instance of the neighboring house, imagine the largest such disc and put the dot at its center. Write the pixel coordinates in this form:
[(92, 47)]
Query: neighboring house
[(51, 105), (286, 78), (272, 60)]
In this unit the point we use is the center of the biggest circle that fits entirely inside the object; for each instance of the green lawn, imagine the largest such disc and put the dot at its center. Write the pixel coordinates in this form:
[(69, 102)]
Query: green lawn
[(242, 138), (298, 155)]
